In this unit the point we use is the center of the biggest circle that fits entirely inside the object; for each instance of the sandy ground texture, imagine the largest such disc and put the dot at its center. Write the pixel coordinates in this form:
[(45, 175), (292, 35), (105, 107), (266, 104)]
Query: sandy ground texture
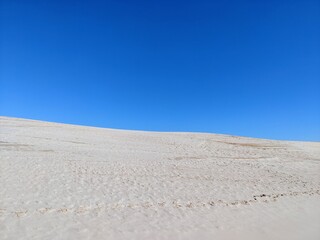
[(72, 182)]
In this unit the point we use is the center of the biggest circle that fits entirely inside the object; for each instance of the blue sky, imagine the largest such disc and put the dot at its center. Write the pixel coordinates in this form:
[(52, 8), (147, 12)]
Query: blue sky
[(249, 68)]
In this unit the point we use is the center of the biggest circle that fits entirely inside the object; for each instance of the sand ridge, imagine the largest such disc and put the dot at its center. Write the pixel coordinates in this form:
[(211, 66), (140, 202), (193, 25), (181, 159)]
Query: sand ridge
[(64, 181)]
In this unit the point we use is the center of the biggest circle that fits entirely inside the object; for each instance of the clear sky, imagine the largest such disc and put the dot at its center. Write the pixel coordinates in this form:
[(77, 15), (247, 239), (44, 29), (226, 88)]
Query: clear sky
[(249, 68)]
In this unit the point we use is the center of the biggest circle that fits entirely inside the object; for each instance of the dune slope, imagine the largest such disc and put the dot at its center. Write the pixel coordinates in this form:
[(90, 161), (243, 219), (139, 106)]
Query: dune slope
[(63, 181)]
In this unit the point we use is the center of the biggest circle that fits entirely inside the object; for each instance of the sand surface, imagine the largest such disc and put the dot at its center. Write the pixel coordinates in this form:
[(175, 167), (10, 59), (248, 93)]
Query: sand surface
[(72, 182)]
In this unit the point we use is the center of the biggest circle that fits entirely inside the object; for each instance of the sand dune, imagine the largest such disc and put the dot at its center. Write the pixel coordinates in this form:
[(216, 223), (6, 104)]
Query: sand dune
[(72, 182)]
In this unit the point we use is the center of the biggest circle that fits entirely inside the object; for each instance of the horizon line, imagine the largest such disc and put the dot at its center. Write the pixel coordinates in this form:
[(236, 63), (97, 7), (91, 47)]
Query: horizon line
[(151, 131)]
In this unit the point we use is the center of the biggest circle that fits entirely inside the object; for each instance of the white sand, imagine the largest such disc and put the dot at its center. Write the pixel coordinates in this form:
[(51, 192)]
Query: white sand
[(72, 182)]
